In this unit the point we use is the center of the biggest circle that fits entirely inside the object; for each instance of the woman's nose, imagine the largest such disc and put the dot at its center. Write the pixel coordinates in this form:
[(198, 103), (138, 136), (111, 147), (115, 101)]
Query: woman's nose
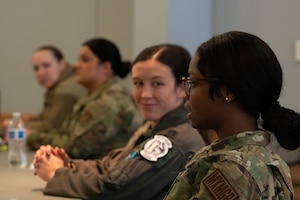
[(77, 65), (147, 91)]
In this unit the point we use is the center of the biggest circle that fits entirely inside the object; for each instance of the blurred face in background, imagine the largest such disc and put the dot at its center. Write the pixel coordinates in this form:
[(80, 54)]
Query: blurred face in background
[(47, 68), (155, 91), (90, 71)]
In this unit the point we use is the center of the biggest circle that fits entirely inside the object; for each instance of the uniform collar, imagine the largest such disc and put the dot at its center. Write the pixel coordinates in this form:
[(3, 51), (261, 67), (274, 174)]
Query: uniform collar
[(258, 137), (103, 87), (69, 71), (99, 91), (174, 117)]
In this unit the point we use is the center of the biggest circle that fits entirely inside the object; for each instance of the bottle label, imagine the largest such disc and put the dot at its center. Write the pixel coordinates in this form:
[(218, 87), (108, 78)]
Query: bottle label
[(17, 134)]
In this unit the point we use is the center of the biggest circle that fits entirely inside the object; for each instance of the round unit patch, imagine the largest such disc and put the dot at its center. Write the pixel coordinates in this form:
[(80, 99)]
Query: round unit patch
[(156, 148)]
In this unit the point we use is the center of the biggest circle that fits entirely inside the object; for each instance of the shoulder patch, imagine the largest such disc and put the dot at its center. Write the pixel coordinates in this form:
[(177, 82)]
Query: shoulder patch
[(219, 187), (156, 148)]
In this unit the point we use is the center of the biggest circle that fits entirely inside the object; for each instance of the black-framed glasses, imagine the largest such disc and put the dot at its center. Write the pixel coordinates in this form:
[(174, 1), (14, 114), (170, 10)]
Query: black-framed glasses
[(188, 83)]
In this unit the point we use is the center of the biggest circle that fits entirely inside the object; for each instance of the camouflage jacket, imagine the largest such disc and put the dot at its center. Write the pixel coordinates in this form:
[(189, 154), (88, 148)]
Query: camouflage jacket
[(237, 167), (144, 169), (58, 103), (99, 122)]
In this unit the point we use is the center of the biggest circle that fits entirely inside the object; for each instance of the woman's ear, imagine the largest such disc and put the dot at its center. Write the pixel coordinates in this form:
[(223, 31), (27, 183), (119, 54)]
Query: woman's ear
[(227, 95), (106, 65), (62, 65), (107, 68), (180, 91)]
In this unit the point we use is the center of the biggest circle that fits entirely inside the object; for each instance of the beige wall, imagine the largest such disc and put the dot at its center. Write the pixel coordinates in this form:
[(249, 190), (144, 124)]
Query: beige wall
[(133, 25), (115, 21), (150, 23), (25, 25), (276, 22), (28, 24)]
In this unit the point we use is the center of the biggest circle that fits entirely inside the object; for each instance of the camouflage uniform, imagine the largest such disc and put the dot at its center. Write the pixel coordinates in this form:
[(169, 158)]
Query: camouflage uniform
[(237, 167), (99, 122), (125, 173), (58, 102)]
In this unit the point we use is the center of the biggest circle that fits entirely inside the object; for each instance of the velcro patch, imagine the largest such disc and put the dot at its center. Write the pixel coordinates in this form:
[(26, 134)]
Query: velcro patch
[(219, 186), (156, 148)]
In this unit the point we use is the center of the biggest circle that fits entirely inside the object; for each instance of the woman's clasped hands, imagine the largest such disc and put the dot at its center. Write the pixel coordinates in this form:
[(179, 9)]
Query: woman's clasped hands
[(47, 160)]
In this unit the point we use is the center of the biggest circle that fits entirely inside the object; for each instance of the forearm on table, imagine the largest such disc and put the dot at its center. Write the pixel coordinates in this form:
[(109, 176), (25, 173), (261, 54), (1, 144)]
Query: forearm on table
[(68, 182)]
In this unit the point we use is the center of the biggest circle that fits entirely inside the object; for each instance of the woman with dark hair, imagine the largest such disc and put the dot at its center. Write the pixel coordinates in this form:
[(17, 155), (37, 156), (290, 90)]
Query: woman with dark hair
[(145, 168), (235, 78), (104, 118), (62, 91)]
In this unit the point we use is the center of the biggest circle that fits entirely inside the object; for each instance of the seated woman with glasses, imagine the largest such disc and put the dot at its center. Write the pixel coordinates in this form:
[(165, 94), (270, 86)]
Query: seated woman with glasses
[(235, 78)]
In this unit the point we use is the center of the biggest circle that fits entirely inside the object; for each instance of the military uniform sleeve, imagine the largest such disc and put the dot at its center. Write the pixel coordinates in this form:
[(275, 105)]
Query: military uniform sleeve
[(61, 106), (220, 181), (61, 100), (84, 182), (100, 121), (133, 177), (228, 180)]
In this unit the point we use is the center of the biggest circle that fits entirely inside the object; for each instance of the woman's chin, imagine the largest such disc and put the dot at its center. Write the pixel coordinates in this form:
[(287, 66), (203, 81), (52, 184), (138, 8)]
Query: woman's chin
[(150, 116), (193, 123)]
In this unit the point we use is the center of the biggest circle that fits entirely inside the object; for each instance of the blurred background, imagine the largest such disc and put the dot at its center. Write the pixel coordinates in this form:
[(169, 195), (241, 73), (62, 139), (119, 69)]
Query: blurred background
[(134, 25)]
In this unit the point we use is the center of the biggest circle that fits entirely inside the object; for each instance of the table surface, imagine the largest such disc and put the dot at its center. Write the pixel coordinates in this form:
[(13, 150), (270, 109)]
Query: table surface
[(20, 183)]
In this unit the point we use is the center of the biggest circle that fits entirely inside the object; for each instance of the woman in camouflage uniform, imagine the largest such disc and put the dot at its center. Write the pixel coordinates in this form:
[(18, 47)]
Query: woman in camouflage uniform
[(104, 118), (145, 168), (233, 79), (58, 77)]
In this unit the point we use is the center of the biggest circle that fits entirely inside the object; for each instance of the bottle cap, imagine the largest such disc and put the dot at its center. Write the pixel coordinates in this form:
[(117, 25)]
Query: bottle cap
[(16, 114)]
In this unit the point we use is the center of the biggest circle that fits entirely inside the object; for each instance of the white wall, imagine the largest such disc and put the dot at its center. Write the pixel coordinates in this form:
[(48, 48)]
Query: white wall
[(25, 25), (189, 23), (115, 22), (276, 22), (133, 25), (149, 23), (136, 24)]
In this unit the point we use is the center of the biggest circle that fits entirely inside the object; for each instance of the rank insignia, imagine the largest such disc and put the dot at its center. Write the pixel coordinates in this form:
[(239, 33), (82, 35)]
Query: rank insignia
[(156, 148)]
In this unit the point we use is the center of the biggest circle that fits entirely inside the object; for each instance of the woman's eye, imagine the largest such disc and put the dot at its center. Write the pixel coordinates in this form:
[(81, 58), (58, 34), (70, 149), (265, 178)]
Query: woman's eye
[(46, 65), (137, 83), (83, 59), (157, 84), (35, 68), (190, 82)]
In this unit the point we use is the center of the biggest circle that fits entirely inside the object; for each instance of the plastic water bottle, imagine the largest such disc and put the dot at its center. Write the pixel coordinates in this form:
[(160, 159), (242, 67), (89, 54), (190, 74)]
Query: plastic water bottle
[(16, 142)]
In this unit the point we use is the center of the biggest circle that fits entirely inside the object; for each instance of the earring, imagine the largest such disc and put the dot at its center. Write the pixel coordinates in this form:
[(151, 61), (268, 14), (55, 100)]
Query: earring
[(226, 99)]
